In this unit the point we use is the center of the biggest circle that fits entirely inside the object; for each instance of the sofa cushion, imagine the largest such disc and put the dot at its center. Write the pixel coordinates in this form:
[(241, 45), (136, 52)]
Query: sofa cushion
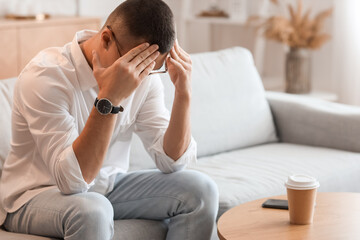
[(6, 95), (229, 107), (258, 172)]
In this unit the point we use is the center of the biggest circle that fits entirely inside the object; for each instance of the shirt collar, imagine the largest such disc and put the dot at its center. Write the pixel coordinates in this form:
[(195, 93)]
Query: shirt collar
[(84, 72)]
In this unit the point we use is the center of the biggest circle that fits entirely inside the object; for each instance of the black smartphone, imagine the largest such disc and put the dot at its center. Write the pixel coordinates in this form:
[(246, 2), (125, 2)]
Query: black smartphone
[(276, 203)]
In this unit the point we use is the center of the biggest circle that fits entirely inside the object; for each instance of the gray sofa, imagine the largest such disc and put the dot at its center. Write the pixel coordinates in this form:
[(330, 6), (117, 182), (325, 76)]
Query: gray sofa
[(249, 140)]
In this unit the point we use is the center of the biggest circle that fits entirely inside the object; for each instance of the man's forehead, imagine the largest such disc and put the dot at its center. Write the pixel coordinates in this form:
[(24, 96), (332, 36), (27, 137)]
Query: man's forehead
[(128, 41)]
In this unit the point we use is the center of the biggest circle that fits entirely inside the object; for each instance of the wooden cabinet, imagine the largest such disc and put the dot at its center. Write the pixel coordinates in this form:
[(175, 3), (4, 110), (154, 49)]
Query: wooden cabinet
[(8, 53), (21, 40)]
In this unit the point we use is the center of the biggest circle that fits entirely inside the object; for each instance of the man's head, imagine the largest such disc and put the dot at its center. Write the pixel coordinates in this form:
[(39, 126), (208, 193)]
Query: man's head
[(137, 21)]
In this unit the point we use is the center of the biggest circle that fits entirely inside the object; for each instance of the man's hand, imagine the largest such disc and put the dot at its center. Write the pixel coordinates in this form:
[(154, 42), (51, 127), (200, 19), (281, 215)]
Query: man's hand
[(118, 81), (179, 67), (178, 134)]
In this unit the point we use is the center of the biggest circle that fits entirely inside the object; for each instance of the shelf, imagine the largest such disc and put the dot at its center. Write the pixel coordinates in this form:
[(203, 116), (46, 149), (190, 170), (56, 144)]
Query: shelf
[(217, 20), (276, 84), (52, 21)]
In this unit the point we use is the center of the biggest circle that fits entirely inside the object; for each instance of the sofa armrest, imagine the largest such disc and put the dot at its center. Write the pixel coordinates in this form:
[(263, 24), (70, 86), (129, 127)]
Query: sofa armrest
[(309, 121)]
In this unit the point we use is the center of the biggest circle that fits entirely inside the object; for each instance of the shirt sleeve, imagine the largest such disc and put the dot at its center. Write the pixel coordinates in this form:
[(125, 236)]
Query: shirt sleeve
[(45, 104), (151, 125)]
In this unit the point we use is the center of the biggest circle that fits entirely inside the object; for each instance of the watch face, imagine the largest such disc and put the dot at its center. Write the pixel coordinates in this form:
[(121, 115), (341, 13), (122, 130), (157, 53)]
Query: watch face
[(104, 106)]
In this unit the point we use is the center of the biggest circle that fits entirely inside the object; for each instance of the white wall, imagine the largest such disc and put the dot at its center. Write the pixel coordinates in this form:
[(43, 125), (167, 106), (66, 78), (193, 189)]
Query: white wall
[(346, 50), (98, 8)]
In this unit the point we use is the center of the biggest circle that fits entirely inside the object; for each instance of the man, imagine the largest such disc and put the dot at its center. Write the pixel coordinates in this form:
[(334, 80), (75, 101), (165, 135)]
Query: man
[(74, 111)]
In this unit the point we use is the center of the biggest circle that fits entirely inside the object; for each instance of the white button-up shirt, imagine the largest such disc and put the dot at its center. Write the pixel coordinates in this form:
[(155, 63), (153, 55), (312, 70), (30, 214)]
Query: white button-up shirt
[(53, 98)]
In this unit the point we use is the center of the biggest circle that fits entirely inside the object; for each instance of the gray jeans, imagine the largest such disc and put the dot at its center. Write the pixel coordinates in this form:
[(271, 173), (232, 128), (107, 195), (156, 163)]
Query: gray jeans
[(188, 199)]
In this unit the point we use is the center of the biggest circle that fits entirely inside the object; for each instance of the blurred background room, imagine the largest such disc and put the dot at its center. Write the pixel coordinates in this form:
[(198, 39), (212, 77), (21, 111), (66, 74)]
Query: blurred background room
[(311, 48)]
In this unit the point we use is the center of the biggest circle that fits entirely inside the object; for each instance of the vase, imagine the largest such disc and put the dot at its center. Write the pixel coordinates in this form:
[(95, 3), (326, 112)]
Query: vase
[(298, 71)]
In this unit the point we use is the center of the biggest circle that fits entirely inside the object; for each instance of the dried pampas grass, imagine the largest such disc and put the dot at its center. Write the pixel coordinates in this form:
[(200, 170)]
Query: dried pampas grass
[(298, 31)]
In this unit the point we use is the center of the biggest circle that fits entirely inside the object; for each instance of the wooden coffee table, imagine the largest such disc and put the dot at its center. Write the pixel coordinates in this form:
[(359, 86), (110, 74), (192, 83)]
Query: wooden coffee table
[(337, 216)]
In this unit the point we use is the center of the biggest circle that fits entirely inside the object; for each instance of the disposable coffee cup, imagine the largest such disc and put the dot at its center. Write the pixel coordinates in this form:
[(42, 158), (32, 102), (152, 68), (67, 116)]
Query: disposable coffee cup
[(301, 193)]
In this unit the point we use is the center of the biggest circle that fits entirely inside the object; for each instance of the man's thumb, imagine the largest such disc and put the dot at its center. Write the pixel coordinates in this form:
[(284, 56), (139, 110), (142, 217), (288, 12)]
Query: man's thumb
[(95, 60)]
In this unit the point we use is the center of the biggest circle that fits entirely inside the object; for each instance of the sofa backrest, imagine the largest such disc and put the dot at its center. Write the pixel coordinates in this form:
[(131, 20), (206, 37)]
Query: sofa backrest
[(6, 95), (229, 107)]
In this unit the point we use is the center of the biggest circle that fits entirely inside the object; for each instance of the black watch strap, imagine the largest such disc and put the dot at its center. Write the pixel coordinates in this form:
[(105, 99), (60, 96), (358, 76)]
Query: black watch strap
[(114, 109)]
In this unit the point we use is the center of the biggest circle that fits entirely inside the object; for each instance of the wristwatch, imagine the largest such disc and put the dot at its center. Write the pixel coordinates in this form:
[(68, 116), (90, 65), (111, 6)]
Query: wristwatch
[(105, 107)]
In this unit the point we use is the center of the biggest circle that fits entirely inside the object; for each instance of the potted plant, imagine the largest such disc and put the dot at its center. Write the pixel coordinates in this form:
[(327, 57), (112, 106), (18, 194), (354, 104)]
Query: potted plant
[(301, 33)]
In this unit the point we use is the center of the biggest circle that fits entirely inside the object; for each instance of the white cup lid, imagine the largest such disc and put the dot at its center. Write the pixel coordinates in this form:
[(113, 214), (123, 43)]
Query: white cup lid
[(301, 182)]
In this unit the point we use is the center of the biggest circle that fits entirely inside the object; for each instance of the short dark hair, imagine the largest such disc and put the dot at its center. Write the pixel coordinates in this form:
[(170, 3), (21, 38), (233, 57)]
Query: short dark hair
[(148, 19)]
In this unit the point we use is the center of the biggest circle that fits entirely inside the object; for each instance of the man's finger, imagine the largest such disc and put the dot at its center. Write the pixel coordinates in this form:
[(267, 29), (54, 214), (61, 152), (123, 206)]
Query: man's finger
[(176, 45), (182, 50), (184, 57), (144, 54), (96, 60), (182, 54), (176, 57), (172, 61), (147, 61), (185, 54), (147, 71), (130, 55)]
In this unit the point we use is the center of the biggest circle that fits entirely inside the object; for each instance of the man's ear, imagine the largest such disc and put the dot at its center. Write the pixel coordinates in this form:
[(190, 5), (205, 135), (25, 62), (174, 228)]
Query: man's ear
[(105, 38)]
